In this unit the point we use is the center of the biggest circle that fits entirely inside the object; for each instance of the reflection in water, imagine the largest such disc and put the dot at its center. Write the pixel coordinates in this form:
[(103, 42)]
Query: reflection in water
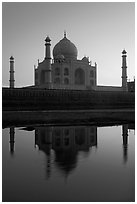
[(125, 141), (12, 140), (69, 153), (67, 141)]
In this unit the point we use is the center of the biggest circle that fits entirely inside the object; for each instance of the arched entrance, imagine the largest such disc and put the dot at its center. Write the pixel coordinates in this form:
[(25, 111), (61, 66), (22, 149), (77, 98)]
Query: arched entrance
[(42, 77), (79, 77)]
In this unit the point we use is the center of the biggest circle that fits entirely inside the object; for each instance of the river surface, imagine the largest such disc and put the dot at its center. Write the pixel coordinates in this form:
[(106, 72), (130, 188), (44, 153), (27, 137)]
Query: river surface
[(68, 163)]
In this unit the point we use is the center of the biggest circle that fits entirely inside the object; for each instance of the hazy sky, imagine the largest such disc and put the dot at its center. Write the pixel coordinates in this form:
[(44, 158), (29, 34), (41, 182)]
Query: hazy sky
[(99, 30)]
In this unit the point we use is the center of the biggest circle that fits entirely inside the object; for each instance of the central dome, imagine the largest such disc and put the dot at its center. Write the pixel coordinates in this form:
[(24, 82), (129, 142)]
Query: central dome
[(66, 48)]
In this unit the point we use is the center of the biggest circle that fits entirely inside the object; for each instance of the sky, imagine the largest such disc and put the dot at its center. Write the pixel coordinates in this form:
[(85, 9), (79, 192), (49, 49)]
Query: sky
[(99, 30)]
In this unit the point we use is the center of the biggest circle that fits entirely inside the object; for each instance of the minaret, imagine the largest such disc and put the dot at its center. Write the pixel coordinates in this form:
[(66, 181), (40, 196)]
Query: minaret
[(48, 62), (11, 72), (124, 71), (47, 48)]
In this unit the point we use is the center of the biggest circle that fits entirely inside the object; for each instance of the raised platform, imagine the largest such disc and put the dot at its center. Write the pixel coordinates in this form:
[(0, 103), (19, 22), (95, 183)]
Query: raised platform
[(43, 99)]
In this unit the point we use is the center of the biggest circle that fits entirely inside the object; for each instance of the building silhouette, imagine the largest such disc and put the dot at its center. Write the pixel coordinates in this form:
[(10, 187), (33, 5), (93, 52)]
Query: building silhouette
[(65, 71)]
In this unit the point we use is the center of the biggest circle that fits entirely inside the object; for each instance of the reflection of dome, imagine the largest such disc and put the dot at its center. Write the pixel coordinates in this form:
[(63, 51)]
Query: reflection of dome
[(65, 47), (66, 160)]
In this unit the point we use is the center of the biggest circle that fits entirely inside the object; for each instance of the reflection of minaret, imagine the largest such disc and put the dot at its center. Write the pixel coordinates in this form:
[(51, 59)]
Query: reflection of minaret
[(48, 167), (125, 141), (12, 141), (43, 138), (48, 143)]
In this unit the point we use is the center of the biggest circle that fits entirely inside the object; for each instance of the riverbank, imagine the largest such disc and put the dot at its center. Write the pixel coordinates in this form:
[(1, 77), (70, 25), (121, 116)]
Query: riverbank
[(67, 116), (19, 99)]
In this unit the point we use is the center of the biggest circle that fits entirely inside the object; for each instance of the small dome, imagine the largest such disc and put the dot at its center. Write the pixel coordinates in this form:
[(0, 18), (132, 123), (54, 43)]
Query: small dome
[(66, 48), (11, 58), (124, 52), (85, 59), (60, 57)]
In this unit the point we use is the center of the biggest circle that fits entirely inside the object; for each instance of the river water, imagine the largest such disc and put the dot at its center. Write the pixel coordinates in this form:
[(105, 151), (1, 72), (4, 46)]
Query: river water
[(68, 163)]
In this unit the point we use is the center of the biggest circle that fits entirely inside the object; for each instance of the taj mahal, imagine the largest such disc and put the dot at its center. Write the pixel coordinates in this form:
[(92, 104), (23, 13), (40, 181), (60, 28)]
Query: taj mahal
[(66, 71)]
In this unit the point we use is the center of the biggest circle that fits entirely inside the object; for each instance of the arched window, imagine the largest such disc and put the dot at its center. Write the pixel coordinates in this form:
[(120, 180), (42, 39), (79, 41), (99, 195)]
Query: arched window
[(57, 80), (79, 136), (57, 71), (42, 77), (66, 81), (92, 82), (91, 73), (36, 75), (79, 76), (66, 71)]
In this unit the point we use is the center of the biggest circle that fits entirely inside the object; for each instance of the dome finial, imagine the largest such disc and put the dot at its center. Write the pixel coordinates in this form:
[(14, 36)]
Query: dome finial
[(64, 33)]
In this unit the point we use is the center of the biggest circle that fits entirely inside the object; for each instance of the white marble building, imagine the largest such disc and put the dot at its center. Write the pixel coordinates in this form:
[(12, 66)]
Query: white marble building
[(65, 71)]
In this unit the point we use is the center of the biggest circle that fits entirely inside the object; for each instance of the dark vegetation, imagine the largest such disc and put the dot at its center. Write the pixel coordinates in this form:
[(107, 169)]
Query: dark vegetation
[(42, 99)]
